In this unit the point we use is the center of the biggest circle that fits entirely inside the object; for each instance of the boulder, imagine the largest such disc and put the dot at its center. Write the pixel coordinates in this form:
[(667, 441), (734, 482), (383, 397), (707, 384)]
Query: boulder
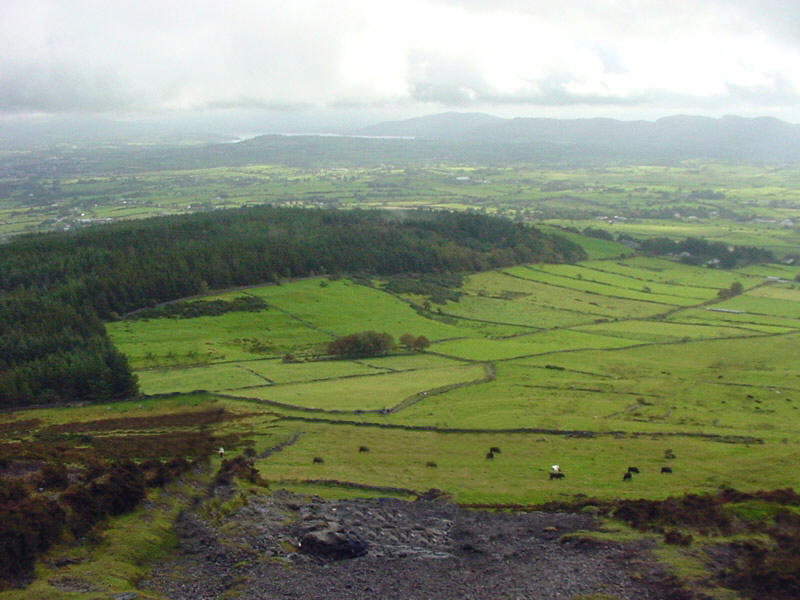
[(330, 540)]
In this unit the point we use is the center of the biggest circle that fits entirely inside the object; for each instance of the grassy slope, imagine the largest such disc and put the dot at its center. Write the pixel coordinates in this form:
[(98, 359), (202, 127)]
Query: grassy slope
[(612, 376)]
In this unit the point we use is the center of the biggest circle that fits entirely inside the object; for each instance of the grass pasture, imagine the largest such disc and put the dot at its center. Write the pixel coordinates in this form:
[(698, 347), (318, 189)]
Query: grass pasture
[(713, 314), (365, 392), (658, 270), (518, 475), (628, 376), (632, 283), (637, 384), (663, 331), (619, 289)]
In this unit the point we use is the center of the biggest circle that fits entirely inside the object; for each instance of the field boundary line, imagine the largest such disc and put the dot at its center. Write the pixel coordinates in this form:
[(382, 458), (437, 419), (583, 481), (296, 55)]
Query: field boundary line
[(572, 289), (422, 312), (699, 287), (708, 302), (575, 433), (279, 447), (643, 344), (349, 485), (489, 371), (259, 375), (308, 324), (319, 380), (615, 286), (489, 375), (577, 389), (431, 315)]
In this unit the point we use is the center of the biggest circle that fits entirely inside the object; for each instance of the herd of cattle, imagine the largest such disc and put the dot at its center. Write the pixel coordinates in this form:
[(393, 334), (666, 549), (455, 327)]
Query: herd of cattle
[(555, 470)]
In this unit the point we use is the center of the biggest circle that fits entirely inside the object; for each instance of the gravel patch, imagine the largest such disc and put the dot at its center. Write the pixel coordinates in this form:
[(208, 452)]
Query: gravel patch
[(414, 550)]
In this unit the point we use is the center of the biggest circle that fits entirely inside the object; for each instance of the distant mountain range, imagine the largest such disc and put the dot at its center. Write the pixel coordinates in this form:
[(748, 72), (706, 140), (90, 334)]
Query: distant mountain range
[(91, 146), (729, 137)]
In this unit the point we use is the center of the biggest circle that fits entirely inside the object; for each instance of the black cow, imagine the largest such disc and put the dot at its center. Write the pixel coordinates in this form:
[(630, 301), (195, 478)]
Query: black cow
[(633, 469), (666, 469), (490, 455), (363, 449), (627, 476), (317, 460), (556, 476), (494, 449), (431, 464)]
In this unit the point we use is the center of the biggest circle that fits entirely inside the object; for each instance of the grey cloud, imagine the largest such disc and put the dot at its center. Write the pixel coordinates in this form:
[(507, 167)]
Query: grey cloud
[(96, 56), (445, 80), (778, 92), (62, 88), (457, 82), (246, 103)]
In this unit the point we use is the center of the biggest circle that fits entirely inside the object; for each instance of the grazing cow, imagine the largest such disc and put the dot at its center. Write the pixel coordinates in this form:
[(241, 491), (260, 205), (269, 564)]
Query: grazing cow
[(627, 476), (221, 452), (494, 449), (633, 469), (431, 464), (363, 449), (666, 469), (555, 469), (489, 455), (556, 475), (318, 460)]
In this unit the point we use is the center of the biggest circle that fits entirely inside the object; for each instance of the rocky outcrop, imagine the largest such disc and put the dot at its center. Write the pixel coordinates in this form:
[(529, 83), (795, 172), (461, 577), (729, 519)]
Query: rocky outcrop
[(290, 546), (328, 539)]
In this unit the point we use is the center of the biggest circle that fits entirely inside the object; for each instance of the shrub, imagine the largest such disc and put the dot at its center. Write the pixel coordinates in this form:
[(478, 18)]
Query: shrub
[(122, 489), (26, 528), (360, 345), (407, 340), (421, 343), (54, 476)]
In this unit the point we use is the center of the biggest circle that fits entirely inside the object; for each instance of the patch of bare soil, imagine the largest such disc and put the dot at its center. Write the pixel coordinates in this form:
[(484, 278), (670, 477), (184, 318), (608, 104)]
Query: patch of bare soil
[(289, 546)]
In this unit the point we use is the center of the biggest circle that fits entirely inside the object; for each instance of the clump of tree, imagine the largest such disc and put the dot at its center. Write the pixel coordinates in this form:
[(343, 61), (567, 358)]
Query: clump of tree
[(201, 308), (735, 289), (412, 342), (436, 287), (698, 251), (600, 234), (362, 345)]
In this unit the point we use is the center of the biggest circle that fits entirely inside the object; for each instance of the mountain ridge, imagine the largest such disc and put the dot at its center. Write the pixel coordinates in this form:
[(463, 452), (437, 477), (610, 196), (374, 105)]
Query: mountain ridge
[(688, 136)]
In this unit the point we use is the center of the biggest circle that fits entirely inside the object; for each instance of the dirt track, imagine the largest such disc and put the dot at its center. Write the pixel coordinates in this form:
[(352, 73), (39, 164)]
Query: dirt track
[(415, 550)]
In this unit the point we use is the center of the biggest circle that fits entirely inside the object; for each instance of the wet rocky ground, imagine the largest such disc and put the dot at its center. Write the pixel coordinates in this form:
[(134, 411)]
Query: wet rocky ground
[(289, 546)]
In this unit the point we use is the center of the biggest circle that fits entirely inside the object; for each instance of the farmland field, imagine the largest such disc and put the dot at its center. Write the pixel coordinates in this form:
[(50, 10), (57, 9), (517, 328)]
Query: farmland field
[(574, 362)]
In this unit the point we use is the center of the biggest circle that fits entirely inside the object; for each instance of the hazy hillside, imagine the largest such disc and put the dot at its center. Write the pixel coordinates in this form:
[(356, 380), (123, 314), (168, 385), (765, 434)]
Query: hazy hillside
[(680, 136), (449, 125), (449, 137)]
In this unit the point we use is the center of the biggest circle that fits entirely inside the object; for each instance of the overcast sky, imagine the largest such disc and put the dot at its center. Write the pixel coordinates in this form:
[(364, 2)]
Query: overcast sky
[(561, 58)]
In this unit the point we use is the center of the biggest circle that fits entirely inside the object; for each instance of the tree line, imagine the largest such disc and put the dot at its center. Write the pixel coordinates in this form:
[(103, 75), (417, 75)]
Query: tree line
[(696, 251), (57, 288)]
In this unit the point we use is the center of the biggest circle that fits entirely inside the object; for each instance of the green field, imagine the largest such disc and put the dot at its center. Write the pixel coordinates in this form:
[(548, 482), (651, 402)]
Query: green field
[(554, 363)]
